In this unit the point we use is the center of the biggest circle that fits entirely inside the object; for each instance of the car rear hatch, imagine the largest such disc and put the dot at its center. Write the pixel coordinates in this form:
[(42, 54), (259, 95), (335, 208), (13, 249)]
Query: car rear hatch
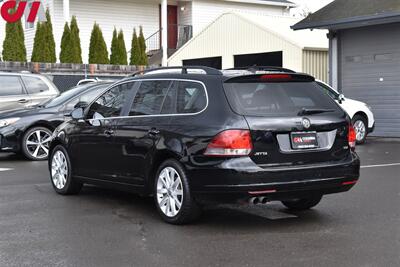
[(292, 121)]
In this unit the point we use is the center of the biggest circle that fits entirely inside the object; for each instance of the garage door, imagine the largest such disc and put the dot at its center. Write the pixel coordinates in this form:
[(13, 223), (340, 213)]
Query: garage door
[(260, 59), (371, 72), (212, 62)]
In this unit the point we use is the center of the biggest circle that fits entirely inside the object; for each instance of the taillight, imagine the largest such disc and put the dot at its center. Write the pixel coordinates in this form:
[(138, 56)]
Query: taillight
[(230, 143), (352, 136)]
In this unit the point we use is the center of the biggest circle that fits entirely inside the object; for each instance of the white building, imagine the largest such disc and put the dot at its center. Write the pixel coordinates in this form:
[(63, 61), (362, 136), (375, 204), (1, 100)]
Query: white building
[(243, 39), (184, 18)]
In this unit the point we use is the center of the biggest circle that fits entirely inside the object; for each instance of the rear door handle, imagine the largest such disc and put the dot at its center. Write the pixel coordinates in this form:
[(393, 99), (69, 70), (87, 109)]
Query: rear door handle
[(109, 132), (154, 132), (23, 101)]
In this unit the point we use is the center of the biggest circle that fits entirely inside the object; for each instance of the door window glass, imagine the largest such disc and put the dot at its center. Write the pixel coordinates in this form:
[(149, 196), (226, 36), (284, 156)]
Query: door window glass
[(86, 98), (10, 85), (35, 85), (110, 104), (150, 98)]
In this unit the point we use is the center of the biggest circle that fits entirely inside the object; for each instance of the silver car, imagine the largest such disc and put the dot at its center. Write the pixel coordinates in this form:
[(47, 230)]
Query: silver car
[(21, 90)]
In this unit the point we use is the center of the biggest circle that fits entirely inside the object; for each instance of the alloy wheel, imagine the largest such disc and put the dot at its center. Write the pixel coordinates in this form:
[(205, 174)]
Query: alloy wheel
[(37, 144), (169, 192), (59, 170), (360, 129)]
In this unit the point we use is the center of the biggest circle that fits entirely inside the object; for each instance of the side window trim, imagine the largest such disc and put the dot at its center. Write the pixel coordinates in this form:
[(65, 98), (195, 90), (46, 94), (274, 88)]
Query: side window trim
[(160, 115)]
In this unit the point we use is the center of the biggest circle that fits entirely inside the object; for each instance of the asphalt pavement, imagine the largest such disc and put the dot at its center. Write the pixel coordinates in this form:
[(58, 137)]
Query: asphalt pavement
[(101, 227)]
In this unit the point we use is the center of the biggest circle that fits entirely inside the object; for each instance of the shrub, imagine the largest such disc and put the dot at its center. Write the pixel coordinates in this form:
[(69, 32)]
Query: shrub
[(98, 53), (14, 43), (135, 50)]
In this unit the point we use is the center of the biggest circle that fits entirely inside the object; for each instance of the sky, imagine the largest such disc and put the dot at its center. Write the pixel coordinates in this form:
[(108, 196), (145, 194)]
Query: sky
[(308, 5)]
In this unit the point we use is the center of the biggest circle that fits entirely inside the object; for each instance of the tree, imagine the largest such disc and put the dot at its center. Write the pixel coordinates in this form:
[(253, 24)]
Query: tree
[(14, 43), (66, 51), (135, 50), (38, 42), (115, 53), (44, 48), (122, 48), (142, 45), (75, 42), (98, 53)]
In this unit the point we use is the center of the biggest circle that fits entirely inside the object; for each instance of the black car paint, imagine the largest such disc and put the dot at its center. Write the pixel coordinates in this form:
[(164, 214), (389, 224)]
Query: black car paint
[(36, 116), (128, 159)]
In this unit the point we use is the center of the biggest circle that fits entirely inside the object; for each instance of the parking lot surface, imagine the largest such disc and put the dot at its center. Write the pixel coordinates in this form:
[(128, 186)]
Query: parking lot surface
[(101, 227)]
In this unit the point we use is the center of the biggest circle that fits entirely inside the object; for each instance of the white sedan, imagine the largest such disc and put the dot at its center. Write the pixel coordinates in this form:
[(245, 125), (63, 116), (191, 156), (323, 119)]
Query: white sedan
[(360, 113)]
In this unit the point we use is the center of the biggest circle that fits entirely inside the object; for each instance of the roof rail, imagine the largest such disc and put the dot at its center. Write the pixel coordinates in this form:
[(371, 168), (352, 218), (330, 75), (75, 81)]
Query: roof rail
[(263, 68), (207, 70)]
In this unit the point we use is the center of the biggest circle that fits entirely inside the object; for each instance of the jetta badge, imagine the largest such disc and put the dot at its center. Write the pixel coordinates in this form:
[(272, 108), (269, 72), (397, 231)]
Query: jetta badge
[(306, 123)]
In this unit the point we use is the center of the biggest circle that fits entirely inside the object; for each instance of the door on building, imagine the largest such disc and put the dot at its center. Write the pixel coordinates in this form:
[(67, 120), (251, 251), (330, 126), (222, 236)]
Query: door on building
[(273, 59), (369, 72), (172, 24)]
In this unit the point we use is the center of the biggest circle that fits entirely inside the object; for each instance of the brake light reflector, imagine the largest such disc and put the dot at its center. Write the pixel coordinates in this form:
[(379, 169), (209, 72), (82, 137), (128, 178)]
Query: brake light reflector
[(230, 143), (352, 136)]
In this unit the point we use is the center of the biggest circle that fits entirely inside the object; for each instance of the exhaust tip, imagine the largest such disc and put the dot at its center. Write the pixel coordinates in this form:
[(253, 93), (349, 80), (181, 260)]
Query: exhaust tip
[(264, 200), (254, 201)]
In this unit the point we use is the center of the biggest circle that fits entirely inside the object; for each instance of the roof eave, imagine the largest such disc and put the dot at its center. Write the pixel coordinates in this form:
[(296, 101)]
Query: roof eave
[(349, 22), (269, 3)]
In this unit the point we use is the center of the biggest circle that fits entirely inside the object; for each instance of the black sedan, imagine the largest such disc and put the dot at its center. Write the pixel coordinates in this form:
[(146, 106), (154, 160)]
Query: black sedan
[(29, 131)]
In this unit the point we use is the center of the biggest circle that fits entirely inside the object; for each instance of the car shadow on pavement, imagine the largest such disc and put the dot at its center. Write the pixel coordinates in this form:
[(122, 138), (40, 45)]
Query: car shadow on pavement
[(134, 208)]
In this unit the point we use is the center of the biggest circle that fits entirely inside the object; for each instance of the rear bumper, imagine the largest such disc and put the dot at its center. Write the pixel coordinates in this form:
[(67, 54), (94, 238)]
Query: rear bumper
[(372, 129), (239, 178)]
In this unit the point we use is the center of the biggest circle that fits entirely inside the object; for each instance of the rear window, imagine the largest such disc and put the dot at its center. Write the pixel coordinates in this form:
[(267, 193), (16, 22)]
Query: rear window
[(277, 99)]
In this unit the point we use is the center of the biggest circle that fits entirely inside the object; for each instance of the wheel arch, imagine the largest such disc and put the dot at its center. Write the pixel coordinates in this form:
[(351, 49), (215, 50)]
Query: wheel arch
[(158, 159), (364, 115)]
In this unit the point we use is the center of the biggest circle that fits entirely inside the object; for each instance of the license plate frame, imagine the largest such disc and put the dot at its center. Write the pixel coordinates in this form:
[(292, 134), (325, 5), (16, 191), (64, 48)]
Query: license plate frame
[(304, 140)]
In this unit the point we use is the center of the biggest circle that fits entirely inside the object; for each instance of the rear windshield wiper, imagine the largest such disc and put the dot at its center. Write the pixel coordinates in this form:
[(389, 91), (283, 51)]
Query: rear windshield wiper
[(306, 111)]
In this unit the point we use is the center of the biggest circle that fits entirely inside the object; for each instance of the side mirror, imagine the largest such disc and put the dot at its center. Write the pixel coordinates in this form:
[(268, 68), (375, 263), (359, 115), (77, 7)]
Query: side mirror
[(81, 105), (341, 98), (77, 114)]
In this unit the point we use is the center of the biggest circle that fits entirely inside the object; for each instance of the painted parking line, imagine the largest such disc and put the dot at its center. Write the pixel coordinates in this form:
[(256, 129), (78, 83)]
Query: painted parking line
[(6, 169), (380, 165)]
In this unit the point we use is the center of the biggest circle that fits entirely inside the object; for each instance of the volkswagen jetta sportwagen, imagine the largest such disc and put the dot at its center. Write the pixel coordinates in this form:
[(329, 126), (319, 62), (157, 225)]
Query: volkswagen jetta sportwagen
[(198, 136)]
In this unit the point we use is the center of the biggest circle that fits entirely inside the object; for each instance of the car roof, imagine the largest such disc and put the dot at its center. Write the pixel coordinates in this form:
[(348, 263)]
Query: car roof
[(201, 73)]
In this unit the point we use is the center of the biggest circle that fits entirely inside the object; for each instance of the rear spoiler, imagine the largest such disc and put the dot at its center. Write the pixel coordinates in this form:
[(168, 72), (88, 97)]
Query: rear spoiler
[(271, 78)]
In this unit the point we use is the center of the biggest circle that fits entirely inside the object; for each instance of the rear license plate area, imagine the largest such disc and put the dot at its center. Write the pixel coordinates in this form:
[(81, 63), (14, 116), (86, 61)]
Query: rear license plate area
[(304, 140)]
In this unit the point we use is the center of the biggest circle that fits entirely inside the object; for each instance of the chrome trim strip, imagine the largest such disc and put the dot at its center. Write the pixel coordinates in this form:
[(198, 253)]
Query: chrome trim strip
[(159, 115)]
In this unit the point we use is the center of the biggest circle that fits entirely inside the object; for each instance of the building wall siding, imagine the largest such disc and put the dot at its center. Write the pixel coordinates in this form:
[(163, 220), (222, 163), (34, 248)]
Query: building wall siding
[(244, 38), (205, 12), (185, 16), (316, 64)]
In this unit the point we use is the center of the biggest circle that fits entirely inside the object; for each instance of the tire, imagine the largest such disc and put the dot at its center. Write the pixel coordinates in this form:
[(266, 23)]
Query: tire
[(60, 173), (170, 193), (360, 124), (302, 204), (36, 143)]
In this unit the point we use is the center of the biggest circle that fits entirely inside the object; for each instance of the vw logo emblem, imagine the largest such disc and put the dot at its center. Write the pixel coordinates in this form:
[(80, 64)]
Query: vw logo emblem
[(306, 123)]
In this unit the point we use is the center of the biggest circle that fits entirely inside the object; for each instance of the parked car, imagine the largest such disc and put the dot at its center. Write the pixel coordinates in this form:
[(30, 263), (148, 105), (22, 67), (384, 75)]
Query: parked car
[(21, 90), (86, 81), (360, 113), (28, 131), (189, 139)]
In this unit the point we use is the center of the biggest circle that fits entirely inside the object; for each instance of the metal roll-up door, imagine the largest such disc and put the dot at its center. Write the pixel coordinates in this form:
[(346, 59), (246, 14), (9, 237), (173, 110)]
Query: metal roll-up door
[(370, 72)]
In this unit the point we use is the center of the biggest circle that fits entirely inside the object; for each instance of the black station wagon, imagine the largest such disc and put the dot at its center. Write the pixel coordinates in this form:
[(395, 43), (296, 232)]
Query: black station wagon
[(191, 136)]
